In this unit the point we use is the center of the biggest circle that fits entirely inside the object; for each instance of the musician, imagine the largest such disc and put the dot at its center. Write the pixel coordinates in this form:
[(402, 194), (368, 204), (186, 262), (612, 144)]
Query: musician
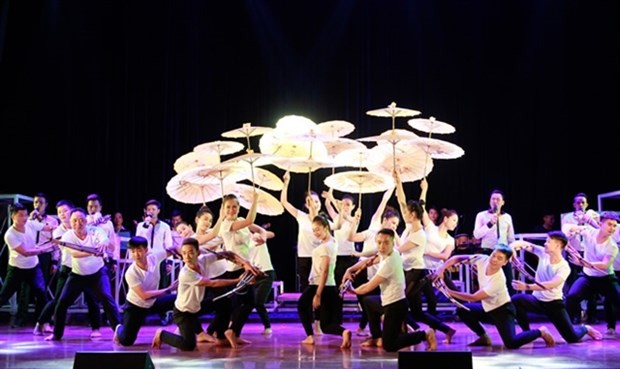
[(384, 217), (321, 291), (392, 303), (493, 227), (587, 218), (63, 210), (144, 296), (412, 249), (87, 245), (193, 281), (547, 295), (597, 262), (24, 267), (491, 300)]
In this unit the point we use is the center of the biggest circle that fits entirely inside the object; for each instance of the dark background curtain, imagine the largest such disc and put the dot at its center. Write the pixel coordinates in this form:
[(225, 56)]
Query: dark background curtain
[(103, 96)]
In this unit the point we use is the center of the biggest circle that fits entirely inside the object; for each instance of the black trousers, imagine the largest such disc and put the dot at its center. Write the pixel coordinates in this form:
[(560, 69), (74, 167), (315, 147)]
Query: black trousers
[(393, 317), (134, 317), (33, 278)]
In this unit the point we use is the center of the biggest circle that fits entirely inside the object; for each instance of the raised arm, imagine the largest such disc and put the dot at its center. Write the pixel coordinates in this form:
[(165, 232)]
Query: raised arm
[(376, 217), (284, 196)]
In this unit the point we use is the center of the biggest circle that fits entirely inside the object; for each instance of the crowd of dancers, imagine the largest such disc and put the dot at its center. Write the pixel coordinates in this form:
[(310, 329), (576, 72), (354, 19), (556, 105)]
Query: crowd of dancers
[(227, 271)]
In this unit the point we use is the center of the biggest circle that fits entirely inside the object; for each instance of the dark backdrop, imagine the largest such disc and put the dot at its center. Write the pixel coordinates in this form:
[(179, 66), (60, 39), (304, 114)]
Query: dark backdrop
[(103, 96)]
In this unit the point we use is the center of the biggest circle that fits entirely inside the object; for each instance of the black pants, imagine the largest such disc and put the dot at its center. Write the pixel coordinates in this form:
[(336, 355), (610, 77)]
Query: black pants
[(189, 327), (221, 308), (261, 294), (360, 279), (585, 286), (91, 302), (97, 284), (304, 266), (242, 304), (328, 314), (502, 317), (342, 263), (134, 317), (554, 310), (32, 277), (393, 317), (415, 280)]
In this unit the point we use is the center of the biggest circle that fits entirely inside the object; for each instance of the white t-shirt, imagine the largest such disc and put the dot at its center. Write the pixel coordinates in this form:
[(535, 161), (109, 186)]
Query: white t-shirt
[(189, 293), (577, 242), (217, 268), (259, 257), (330, 250), (370, 245), (90, 264), (305, 237), (414, 257), (345, 247), (236, 241), (393, 288), (494, 285), (546, 272), (14, 238), (148, 279), (594, 252), (65, 255), (435, 243)]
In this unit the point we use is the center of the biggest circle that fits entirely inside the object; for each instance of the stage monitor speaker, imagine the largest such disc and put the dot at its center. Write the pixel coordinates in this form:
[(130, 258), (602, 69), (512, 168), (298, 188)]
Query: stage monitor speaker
[(435, 359), (113, 359)]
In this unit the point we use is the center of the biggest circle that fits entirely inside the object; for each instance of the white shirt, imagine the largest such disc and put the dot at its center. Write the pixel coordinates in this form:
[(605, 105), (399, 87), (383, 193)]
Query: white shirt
[(259, 257), (494, 285), (594, 252), (330, 250), (577, 242), (345, 247), (112, 250), (217, 268), (488, 236), (236, 241), (90, 264), (148, 279), (189, 293), (14, 238), (160, 240), (65, 255), (546, 272), (414, 257), (305, 237), (393, 288), (370, 245), (435, 243)]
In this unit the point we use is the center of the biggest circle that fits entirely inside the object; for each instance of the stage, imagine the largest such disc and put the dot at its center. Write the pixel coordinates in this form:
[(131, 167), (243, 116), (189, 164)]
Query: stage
[(283, 349)]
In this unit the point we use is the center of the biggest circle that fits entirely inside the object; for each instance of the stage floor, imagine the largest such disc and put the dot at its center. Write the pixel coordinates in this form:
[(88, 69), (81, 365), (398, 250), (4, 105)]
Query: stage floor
[(283, 349)]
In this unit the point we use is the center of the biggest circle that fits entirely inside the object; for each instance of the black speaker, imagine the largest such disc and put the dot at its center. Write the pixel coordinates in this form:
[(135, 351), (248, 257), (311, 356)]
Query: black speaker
[(113, 359), (435, 359)]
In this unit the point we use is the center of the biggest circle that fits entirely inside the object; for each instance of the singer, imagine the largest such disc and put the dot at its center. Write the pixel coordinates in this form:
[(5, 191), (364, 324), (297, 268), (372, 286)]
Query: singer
[(494, 226)]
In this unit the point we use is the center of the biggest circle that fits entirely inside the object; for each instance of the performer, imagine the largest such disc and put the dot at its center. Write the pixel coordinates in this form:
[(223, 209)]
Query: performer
[(63, 210), (88, 271), (494, 226), (321, 291), (144, 296), (551, 273), (24, 267), (412, 247), (260, 258), (392, 304), (191, 289), (492, 300), (597, 262)]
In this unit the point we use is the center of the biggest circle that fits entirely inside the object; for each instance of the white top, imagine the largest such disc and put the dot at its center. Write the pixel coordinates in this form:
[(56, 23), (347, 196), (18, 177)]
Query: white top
[(14, 238), (217, 268), (189, 293), (345, 247), (65, 255), (259, 257), (305, 237), (148, 279), (49, 221), (90, 264), (113, 250), (370, 245), (577, 242), (393, 288), (494, 285), (236, 241), (435, 243), (414, 257), (546, 272), (160, 240), (330, 250), (488, 236), (594, 252)]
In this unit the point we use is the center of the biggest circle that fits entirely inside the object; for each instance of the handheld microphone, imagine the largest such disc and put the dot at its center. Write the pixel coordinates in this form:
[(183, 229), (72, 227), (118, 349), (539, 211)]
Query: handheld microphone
[(147, 220)]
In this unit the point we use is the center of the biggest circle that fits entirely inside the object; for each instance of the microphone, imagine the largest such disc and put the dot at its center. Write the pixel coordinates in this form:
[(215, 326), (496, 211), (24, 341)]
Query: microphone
[(147, 220)]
